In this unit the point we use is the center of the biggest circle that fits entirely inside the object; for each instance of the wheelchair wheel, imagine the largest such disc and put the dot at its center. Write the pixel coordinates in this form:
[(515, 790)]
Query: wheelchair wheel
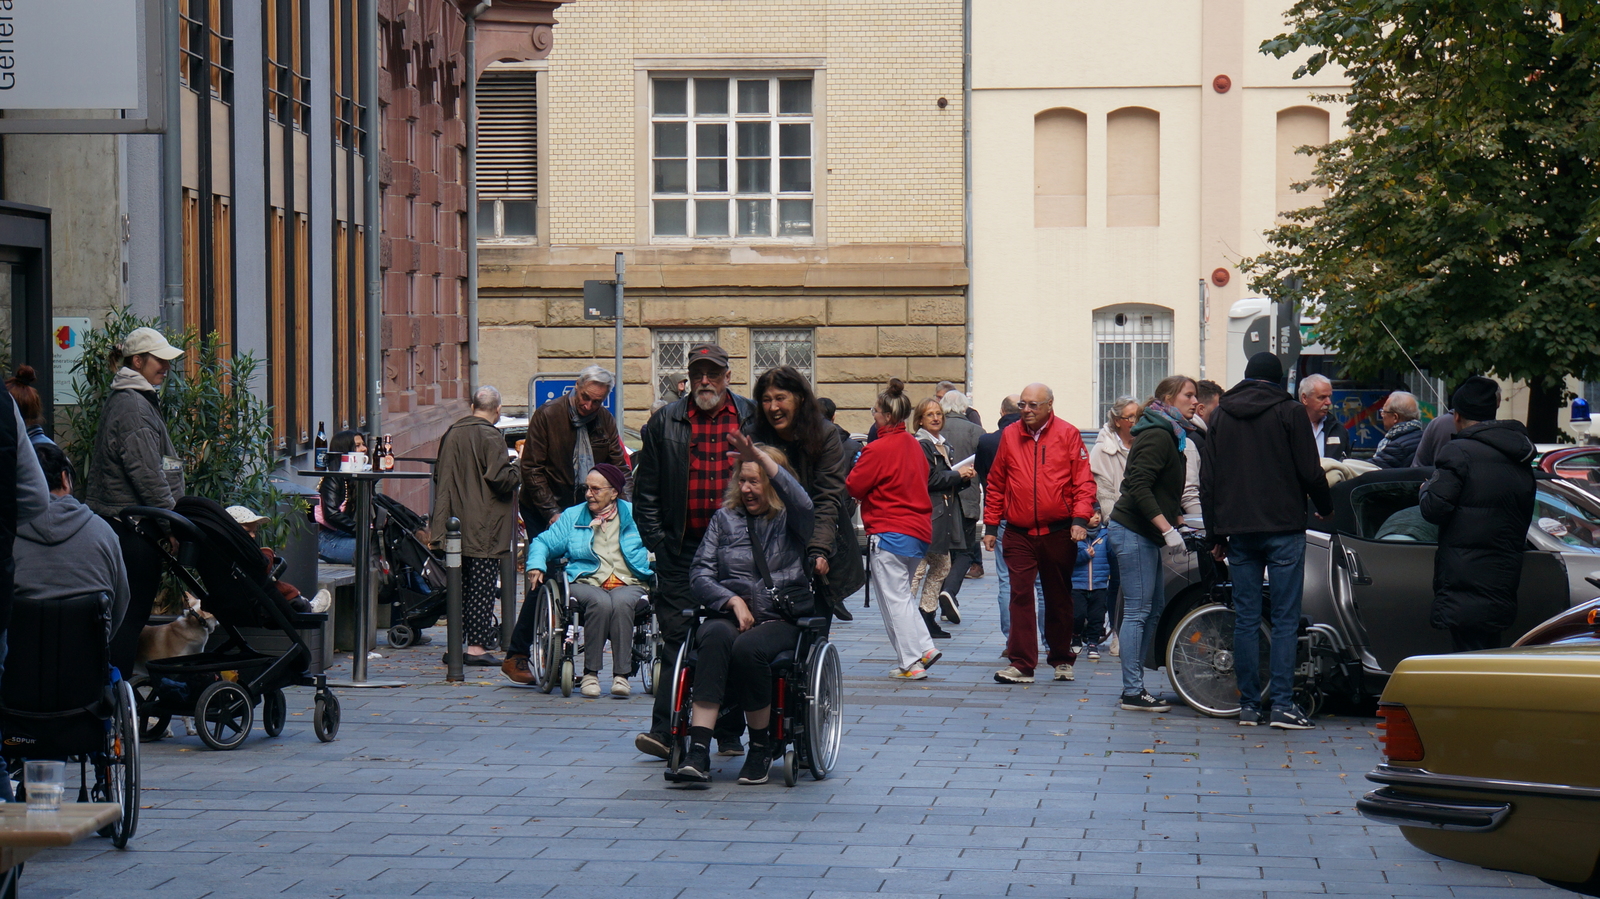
[(224, 715), (1200, 660), (545, 654), (566, 677), (274, 712), (117, 778), (152, 724), (679, 711), (325, 720), (825, 713), (644, 662), (402, 636), (791, 768)]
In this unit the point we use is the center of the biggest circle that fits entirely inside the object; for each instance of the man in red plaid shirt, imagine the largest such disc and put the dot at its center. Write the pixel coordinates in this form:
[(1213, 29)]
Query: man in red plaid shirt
[(678, 482)]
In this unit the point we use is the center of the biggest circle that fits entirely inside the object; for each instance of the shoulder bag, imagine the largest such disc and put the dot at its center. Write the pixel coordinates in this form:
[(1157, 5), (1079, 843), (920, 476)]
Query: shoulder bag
[(794, 601)]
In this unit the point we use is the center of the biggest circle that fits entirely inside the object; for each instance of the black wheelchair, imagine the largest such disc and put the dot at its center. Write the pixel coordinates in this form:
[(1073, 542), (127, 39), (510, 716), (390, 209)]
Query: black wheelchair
[(807, 700), (558, 636), (62, 699)]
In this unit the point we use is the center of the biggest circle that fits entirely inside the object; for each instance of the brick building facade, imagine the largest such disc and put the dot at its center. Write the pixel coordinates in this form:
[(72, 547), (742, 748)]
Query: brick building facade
[(793, 192)]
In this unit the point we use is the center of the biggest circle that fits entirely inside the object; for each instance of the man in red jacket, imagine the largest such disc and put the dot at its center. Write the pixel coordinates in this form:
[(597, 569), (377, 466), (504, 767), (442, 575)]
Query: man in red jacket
[(1041, 487)]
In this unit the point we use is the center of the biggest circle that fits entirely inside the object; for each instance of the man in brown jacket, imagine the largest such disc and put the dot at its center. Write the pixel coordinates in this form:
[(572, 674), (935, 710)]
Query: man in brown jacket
[(554, 462), (476, 482)]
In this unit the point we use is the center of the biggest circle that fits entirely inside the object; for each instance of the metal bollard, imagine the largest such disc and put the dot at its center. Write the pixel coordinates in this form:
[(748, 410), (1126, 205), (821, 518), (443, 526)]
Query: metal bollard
[(452, 602)]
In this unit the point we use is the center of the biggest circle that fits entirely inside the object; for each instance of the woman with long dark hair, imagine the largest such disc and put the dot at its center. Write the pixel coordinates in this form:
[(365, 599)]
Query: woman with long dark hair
[(336, 527), (791, 419), (1145, 523), (890, 480)]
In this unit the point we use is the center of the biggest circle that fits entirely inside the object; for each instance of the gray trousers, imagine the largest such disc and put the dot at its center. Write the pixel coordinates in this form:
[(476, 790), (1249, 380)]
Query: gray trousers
[(607, 614)]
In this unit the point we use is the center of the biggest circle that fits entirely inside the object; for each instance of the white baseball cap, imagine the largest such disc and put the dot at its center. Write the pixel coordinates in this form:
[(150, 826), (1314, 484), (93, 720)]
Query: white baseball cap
[(244, 515), (149, 340)]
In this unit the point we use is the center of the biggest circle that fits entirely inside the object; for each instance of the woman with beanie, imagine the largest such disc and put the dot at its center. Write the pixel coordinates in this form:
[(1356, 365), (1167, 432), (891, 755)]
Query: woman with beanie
[(890, 481), (1145, 522), (608, 567)]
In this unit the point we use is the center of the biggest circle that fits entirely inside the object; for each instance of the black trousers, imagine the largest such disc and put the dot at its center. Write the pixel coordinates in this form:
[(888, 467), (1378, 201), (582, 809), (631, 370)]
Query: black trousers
[(1468, 639), (963, 559), (734, 670), (670, 597), (143, 562)]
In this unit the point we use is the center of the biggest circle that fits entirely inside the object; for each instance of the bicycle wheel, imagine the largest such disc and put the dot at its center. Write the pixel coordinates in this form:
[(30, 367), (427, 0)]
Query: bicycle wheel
[(1200, 660)]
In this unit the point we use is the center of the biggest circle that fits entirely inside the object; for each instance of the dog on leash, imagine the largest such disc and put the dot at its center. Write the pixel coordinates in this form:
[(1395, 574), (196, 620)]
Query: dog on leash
[(183, 637)]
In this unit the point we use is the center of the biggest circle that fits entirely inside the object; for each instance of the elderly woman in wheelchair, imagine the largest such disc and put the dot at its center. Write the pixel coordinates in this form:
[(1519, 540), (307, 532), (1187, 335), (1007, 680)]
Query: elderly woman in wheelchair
[(749, 572), (608, 569)]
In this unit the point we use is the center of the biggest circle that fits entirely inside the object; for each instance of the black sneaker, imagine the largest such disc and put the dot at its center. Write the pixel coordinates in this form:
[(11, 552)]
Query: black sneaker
[(949, 607), (1143, 702), (696, 767), (730, 746), (653, 744), (1291, 719), (757, 765), (1249, 717)]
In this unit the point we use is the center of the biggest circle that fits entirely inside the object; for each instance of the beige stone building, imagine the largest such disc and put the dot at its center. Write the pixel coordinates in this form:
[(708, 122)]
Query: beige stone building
[(783, 177), (1124, 158)]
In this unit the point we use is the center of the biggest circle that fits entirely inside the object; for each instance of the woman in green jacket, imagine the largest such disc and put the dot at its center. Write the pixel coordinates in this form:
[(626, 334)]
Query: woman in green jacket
[(1145, 520)]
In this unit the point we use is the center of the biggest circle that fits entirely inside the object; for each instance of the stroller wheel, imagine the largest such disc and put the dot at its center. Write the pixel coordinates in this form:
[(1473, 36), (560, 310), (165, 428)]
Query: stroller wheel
[(224, 715), (152, 724), (274, 712), (326, 720), (401, 636)]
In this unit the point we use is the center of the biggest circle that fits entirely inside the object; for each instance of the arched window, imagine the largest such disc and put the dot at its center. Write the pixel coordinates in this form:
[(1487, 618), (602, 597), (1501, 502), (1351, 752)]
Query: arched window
[(1060, 169), (1132, 352), (1133, 168), (1299, 126)]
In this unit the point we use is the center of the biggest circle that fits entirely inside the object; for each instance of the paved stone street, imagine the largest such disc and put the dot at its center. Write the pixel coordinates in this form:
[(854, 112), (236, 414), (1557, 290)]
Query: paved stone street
[(953, 786)]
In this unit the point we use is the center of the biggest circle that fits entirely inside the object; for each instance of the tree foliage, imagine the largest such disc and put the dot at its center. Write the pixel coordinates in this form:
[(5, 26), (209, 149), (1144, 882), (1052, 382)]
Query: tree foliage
[(224, 434), (1464, 202)]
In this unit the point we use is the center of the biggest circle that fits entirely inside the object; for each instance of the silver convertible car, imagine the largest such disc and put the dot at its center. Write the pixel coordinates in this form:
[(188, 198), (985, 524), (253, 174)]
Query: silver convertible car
[(1368, 592)]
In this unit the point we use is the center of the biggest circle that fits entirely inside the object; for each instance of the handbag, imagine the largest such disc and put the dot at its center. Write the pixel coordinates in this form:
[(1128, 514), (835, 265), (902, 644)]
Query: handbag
[(794, 601)]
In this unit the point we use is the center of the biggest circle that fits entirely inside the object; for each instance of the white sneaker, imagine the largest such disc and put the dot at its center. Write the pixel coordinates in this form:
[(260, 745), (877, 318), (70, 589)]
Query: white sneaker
[(1063, 672), (591, 686), (323, 601), (1010, 675), (620, 687)]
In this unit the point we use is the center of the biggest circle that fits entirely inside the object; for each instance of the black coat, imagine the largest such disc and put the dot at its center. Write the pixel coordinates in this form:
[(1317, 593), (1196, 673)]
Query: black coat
[(944, 487), (1481, 497), (1335, 439), (1259, 464), (989, 446), (661, 475)]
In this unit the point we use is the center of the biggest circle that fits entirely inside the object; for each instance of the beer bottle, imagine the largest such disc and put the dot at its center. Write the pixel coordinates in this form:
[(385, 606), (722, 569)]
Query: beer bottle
[(320, 448)]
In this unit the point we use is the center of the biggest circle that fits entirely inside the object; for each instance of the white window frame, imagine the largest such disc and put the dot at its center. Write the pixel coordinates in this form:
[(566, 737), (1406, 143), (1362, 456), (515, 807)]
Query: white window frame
[(680, 337), (787, 338), (1141, 326), (731, 196)]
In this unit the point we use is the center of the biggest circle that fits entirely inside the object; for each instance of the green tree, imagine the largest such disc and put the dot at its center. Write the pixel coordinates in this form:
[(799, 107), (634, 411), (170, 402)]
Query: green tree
[(1464, 202)]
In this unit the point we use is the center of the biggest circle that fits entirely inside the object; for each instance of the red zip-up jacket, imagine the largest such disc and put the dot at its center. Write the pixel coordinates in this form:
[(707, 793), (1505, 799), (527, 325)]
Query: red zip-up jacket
[(1039, 485), (890, 481)]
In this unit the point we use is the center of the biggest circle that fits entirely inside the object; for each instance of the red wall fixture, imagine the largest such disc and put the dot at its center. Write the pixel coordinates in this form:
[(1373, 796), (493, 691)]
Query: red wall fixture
[(1220, 277), (1221, 84)]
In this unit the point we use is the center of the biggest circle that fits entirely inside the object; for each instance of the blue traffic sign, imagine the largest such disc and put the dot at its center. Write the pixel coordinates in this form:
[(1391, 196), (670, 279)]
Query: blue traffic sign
[(547, 389)]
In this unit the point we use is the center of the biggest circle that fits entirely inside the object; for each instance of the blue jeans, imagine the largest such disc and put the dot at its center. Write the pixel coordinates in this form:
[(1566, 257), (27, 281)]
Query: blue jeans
[(1144, 598), (1282, 558), (335, 547), (1003, 574)]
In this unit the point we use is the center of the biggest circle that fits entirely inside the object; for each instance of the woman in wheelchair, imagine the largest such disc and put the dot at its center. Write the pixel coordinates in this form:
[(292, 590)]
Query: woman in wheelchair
[(757, 538), (608, 567)]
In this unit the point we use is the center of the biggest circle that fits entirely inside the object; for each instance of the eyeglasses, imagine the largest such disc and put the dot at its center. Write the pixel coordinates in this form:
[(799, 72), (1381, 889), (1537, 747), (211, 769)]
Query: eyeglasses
[(703, 375), (1027, 405), (1387, 412), (590, 488), (1123, 417)]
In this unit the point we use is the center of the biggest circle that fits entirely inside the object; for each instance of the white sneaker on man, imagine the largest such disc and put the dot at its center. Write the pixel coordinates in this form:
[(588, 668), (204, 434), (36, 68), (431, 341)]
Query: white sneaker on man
[(1063, 672), (1011, 675), (590, 685)]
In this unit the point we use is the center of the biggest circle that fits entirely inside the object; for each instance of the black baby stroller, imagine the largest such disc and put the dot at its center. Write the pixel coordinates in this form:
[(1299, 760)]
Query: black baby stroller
[(219, 562), (414, 582)]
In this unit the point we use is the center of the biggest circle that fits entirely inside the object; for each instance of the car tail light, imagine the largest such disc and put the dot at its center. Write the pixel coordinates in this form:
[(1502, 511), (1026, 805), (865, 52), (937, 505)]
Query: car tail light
[(1401, 742)]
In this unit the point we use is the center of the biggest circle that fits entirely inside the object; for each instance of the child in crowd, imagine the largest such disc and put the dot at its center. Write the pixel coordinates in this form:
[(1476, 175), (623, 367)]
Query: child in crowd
[(1090, 576)]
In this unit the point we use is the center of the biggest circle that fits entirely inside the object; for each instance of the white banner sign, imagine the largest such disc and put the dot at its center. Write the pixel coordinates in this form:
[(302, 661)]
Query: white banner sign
[(67, 344), (69, 54)]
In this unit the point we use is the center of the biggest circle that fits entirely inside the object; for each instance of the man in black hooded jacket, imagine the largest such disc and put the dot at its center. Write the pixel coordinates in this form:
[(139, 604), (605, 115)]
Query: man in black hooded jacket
[(1481, 497), (1257, 467)]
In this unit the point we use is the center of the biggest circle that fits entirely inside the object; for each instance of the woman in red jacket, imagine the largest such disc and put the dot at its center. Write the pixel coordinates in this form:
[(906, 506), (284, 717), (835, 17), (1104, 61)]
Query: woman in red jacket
[(890, 481)]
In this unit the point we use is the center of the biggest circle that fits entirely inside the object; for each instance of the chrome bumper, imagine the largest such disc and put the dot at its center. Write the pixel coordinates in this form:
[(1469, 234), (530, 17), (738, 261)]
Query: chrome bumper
[(1390, 806)]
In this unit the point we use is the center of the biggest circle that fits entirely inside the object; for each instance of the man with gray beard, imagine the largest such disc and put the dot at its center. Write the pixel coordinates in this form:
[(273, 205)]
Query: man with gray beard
[(678, 483)]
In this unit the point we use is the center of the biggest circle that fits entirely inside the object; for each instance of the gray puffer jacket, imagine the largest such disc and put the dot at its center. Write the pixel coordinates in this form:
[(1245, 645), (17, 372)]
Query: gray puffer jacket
[(725, 567), (135, 463)]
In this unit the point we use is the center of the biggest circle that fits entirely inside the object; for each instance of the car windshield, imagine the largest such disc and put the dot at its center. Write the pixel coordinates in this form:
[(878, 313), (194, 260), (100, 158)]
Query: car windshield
[(1568, 514)]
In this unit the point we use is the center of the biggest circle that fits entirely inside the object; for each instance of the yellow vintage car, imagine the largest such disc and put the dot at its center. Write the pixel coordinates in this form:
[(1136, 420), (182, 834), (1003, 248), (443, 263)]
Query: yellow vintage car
[(1493, 758)]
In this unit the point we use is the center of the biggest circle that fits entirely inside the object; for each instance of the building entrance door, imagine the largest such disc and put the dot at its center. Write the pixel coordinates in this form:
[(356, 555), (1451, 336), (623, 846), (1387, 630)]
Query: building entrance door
[(25, 334)]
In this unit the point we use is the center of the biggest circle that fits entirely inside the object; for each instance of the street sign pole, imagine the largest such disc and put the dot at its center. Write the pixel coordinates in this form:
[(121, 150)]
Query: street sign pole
[(621, 316)]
